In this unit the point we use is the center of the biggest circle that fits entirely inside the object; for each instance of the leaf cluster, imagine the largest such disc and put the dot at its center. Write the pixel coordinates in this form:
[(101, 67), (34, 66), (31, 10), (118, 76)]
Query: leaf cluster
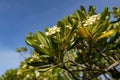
[(84, 45)]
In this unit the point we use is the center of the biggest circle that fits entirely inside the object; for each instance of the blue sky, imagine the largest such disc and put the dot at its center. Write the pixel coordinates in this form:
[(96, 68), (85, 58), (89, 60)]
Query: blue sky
[(19, 17)]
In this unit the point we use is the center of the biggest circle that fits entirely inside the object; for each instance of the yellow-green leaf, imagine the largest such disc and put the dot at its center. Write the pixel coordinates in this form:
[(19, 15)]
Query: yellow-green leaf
[(107, 34)]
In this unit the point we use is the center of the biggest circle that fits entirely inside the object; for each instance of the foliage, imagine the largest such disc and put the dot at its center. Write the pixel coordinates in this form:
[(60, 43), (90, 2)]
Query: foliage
[(81, 46), (27, 72), (85, 44), (9, 75)]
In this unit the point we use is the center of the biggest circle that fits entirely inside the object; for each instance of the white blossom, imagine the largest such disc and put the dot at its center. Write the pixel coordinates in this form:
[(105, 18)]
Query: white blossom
[(31, 59), (37, 73), (34, 57), (41, 46), (24, 66), (52, 31), (68, 26), (118, 10), (27, 76), (91, 20), (107, 17), (19, 72)]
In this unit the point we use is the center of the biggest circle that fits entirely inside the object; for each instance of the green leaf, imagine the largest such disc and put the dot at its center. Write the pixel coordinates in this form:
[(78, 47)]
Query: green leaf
[(22, 49), (83, 10), (113, 38), (44, 70), (81, 15), (104, 14), (30, 35), (46, 29), (42, 39), (37, 64), (73, 28), (104, 26), (91, 10), (100, 28), (45, 56), (73, 45), (54, 44), (28, 41), (70, 20), (36, 47), (62, 28), (40, 50)]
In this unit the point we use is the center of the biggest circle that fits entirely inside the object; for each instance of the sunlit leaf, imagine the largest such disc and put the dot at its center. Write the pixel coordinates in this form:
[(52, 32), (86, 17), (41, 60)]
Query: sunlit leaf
[(42, 38), (107, 34)]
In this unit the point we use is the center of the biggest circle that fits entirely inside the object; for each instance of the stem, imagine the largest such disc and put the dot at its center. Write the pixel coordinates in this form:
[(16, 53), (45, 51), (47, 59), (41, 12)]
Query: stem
[(105, 70), (81, 66), (102, 54), (64, 67), (75, 78), (66, 75)]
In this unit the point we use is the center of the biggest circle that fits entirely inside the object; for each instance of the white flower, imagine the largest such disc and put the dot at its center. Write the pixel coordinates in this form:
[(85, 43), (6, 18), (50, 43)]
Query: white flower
[(24, 66), (34, 57), (91, 20), (85, 24), (41, 46), (116, 24), (31, 60), (68, 26), (52, 31), (27, 76), (47, 33), (37, 73), (19, 72), (107, 17), (118, 10)]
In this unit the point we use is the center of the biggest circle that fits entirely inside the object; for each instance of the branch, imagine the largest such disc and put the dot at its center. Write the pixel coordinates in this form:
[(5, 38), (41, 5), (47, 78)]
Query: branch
[(81, 66), (73, 75), (105, 70), (104, 55), (64, 67)]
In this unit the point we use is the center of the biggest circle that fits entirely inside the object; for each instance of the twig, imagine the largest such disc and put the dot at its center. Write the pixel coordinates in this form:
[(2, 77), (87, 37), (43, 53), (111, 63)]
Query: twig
[(88, 70), (81, 66), (105, 70), (113, 65), (66, 75), (64, 67), (104, 55), (73, 75)]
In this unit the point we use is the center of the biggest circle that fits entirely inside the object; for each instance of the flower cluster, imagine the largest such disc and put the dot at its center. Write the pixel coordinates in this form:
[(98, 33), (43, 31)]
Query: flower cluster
[(37, 73), (118, 10), (91, 20), (52, 31), (41, 46), (34, 57), (68, 26)]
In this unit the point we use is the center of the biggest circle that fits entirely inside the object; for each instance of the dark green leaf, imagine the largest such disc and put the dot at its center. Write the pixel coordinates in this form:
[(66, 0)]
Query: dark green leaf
[(83, 10), (91, 10), (81, 15), (37, 64), (62, 28), (73, 28), (104, 14)]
